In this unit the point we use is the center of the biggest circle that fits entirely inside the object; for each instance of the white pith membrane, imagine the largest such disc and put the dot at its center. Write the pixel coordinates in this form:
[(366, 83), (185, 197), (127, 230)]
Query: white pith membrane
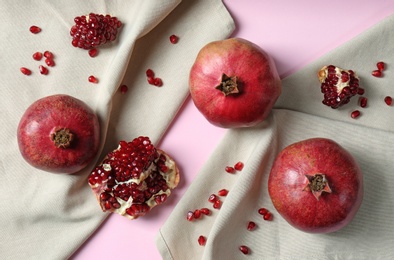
[(171, 177)]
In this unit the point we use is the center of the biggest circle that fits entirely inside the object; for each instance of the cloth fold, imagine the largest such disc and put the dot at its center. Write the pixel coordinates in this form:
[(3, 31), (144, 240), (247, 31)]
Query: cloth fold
[(48, 216), (298, 115)]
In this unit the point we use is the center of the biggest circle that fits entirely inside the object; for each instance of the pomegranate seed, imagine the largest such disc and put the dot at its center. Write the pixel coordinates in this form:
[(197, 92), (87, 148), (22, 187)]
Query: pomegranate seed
[(239, 166), (49, 62), (123, 89), (151, 80), (174, 39), (360, 91), (363, 101), (223, 192), (149, 73), (267, 216), (263, 211), (158, 82), (93, 79), (205, 211), (202, 240), (355, 114), (37, 55), (48, 54), (93, 52), (25, 71), (377, 73), (43, 70), (190, 215), (217, 204), (212, 198), (197, 214), (380, 65), (244, 249), (35, 29), (251, 226), (230, 169), (388, 100)]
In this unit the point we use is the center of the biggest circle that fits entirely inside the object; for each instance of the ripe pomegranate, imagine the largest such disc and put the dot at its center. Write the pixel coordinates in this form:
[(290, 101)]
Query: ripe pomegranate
[(338, 85), (316, 185), (134, 178), (234, 83), (59, 134)]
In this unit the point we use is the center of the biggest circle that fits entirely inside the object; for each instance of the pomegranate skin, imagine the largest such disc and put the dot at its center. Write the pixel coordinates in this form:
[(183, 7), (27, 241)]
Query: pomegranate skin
[(257, 81), (289, 190), (46, 116)]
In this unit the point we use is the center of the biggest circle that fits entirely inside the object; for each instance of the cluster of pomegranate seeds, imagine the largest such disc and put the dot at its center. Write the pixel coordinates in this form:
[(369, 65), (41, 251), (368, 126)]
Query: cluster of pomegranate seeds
[(35, 29), (379, 72), (93, 79), (152, 80), (267, 215), (174, 39), (197, 213), (237, 167), (49, 61), (90, 31), (338, 85)]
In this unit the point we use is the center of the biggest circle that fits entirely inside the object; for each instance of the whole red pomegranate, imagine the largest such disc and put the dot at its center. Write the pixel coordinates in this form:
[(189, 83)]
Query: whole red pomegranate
[(59, 134), (316, 185), (134, 178), (234, 83)]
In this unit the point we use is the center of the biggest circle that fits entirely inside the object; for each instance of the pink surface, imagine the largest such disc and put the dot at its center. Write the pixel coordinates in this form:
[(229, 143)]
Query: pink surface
[(294, 33)]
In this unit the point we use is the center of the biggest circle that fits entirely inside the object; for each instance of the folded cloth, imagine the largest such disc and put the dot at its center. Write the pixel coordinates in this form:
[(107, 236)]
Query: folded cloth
[(48, 216), (298, 115)]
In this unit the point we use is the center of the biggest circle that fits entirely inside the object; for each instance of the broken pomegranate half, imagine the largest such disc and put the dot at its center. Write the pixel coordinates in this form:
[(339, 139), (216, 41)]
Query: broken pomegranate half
[(338, 85), (134, 178)]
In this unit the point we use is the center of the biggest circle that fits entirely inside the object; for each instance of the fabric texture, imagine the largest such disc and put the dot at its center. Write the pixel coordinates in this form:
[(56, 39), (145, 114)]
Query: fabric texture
[(48, 216), (298, 115)]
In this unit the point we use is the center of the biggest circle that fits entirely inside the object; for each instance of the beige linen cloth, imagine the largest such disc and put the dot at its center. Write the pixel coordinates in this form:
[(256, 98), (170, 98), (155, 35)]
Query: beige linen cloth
[(48, 216), (299, 115)]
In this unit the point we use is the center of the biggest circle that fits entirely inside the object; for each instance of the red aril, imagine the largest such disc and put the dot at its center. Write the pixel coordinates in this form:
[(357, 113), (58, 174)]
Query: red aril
[(388, 100), (93, 79), (93, 52), (380, 65), (244, 249), (123, 89), (43, 70), (35, 29), (377, 73), (239, 166), (37, 55), (363, 101), (229, 169), (324, 194), (223, 192), (202, 240), (251, 226), (174, 39), (355, 114), (50, 62), (25, 71)]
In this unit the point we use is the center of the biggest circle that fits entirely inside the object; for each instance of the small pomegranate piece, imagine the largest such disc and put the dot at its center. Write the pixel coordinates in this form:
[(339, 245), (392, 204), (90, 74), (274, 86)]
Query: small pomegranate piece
[(205, 211), (202, 240), (37, 55), (174, 39), (130, 176), (355, 114), (149, 73), (388, 100), (380, 65), (251, 226), (329, 183), (93, 52), (223, 192), (197, 213), (123, 89), (229, 169), (49, 62), (212, 198), (217, 204), (244, 249), (158, 82), (363, 101), (377, 73), (48, 54), (151, 80), (189, 215), (338, 85), (93, 79), (239, 166), (59, 134), (263, 211), (35, 29), (25, 71), (43, 70), (267, 216), (90, 31)]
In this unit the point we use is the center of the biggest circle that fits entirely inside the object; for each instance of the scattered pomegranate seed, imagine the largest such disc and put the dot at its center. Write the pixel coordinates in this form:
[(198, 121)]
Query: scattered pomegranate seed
[(37, 55), (360, 91), (197, 214), (93, 79), (223, 192), (158, 82), (205, 211), (35, 29), (239, 166), (25, 71), (355, 114), (212, 198), (388, 100), (217, 204), (202, 240), (363, 101), (123, 89), (251, 225), (93, 52), (230, 169), (48, 54), (244, 249), (149, 73), (267, 216), (263, 211), (174, 39), (49, 62), (190, 215), (43, 70), (151, 80), (380, 65), (377, 73)]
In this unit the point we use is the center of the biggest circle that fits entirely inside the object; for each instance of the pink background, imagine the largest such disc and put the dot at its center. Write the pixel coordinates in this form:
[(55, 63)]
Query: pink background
[(294, 33)]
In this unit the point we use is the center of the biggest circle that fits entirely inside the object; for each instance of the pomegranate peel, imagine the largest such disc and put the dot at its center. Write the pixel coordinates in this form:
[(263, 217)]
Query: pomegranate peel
[(134, 178)]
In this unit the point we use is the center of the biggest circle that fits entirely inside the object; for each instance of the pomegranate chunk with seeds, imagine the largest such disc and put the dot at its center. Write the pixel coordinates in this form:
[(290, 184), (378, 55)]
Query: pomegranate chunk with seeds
[(130, 182), (338, 85)]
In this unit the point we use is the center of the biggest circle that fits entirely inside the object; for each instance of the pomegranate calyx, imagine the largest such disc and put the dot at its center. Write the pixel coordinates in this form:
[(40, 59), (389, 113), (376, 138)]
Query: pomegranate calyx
[(62, 137), (317, 184), (228, 85)]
